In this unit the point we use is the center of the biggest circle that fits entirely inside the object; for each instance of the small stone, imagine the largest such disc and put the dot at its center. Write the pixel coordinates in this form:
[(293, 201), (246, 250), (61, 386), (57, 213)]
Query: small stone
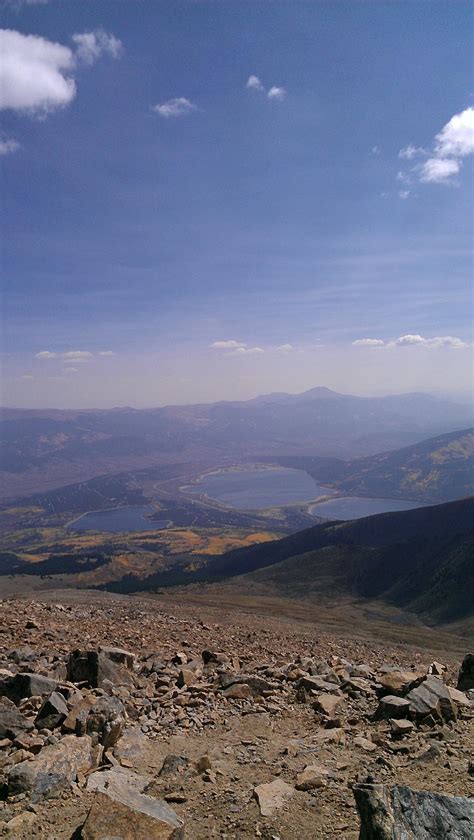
[(272, 796), (313, 776)]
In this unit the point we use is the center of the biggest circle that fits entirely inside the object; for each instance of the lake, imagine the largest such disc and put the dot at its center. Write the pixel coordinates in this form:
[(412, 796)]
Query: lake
[(353, 507), (251, 489), (117, 520)]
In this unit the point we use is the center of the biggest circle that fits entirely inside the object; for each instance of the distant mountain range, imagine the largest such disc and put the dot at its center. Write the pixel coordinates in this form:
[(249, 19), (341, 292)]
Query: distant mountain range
[(435, 470), (49, 448), (419, 560)]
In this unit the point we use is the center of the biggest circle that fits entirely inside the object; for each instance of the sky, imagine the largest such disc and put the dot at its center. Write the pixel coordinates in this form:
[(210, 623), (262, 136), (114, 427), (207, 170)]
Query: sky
[(214, 200)]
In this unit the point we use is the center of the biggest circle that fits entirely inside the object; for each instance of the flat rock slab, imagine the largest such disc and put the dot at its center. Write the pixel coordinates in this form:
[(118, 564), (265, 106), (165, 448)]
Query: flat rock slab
[(117, 782), (272, 796), (400, 813), (131, 816), (53, 768)]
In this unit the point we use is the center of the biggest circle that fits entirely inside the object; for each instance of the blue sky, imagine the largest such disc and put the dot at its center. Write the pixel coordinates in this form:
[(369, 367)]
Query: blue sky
[(219, 239)]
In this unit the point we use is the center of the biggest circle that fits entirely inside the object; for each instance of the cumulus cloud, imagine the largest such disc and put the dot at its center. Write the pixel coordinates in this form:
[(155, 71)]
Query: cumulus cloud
[(178, 107), (8, 145), (36, 75), (456, 138), (415, 340), (228, 344), (241, 351), (276, 93), (68, 356), (454, 142), (77, 355), (368, 342), (90, 46), (254, 83), (439, 170), (45, 354)]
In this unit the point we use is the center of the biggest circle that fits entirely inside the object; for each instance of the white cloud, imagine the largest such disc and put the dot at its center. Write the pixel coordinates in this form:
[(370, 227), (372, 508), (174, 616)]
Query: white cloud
[(34, 73), (375, 150), (254, 83), (229, 344), (439, 170), (285, 348), (178, 107), (437, 342), (456, 138), (45, 354), (410, 152), (241, 351), (403, 194), (106, 353), (276, 93), (368, 342), (92, 45), (71, 370), (8, 145), (77, 355)]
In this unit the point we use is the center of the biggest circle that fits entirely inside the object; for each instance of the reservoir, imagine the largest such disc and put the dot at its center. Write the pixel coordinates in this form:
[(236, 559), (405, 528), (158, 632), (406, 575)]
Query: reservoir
[(117, 520), (353, 507), (252, 489)]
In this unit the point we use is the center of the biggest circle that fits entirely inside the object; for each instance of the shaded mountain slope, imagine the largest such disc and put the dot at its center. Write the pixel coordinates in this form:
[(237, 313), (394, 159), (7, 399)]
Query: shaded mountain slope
[(439, 469), (420, 560)]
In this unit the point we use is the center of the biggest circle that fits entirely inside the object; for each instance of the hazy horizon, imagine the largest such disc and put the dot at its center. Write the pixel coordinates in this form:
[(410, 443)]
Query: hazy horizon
[(215, 201)]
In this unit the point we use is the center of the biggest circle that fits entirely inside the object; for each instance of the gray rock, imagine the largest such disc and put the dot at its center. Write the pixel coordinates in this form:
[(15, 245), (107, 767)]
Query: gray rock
[(392, 706), (105, 721), (431, 697), (123, 813), (466, 673), (53, 769), (95, 666), (400, 813), (12, 722), (26, 685), (53, 711)]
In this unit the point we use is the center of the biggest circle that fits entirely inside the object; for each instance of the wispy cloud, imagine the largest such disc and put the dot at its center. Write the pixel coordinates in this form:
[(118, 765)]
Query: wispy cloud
[(8, 145), (254, 83), (275, 93), (45, 354), (410, 152), (278, 93), (90, 46), (68, 356), (178, 107), (228, 344), (106, 353), (285, 348), (243, 351)]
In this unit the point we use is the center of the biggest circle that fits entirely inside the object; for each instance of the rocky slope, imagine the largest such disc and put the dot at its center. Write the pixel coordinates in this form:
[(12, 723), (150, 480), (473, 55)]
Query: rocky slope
[(142, 719)]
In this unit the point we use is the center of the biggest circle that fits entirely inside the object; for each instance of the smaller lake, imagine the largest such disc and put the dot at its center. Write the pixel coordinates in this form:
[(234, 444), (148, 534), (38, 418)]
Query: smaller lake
[(117, 520), (353, 507), (250, 489)]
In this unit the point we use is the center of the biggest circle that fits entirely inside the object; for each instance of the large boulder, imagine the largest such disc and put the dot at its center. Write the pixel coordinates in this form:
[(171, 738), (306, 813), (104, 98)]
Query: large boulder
[(400, 813), (105, 721), (53, 711), (392, 706), (53, 769), (466, 673), (122, 812), (12, 722), (23, 685), (431, 697), (95, 666)]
